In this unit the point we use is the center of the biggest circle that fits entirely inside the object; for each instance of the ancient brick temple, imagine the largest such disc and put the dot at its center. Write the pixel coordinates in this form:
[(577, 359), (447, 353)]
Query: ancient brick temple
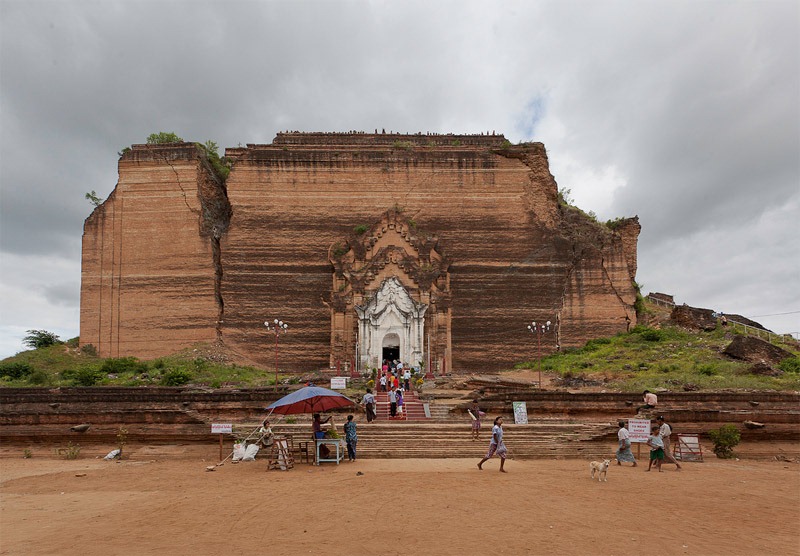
[(434, 249)]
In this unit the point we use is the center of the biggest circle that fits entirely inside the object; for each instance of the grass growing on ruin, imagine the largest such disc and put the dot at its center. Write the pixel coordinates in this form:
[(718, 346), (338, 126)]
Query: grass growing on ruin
[(64, 366), (667, 358)]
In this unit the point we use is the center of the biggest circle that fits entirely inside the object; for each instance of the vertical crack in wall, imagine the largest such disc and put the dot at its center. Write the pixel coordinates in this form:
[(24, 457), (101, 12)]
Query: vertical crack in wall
[(215, 218)]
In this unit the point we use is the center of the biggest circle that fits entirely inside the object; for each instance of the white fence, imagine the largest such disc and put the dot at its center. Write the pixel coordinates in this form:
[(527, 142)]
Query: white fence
[(748, 329)]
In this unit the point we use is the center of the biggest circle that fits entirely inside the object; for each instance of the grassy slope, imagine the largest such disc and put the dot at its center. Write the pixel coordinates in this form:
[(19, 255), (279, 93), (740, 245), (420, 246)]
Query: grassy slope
[(668, 357), (664, 357)]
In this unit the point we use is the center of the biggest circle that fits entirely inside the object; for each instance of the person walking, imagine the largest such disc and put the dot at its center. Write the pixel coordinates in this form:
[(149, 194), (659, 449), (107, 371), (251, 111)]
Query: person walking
[(664, 431), (351, 438), (369, 405), (656, 449), (383, 382), (624, 450), (392, 402), (400, 402), (496, 446), (476, 414), (407, 378)]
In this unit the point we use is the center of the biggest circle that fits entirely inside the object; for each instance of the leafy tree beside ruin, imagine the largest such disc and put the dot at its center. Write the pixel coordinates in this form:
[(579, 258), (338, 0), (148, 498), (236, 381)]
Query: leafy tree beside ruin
[(36, 339)]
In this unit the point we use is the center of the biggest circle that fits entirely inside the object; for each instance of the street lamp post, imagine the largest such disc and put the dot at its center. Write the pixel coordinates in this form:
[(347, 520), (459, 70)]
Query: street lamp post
[(539, 329), (277, 327)]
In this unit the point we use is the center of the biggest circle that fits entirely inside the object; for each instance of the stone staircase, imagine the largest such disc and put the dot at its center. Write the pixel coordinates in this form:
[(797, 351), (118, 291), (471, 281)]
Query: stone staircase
[(413, 409), (418, 439)]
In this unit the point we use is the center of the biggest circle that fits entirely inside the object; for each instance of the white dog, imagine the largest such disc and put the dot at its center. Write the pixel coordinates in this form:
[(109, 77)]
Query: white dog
[(601, 468)]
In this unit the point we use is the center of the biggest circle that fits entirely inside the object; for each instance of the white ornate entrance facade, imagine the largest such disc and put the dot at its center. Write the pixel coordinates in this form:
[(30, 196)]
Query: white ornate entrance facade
[(390, 294), (391, 318)]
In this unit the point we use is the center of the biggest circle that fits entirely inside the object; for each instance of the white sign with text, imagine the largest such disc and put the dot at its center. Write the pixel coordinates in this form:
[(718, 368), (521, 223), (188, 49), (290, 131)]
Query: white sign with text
[(338, 383), (639, 430), (221, 428)]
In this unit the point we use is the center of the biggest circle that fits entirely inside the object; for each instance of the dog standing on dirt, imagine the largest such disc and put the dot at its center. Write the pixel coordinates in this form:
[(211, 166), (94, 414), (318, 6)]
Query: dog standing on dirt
[(601, 468)]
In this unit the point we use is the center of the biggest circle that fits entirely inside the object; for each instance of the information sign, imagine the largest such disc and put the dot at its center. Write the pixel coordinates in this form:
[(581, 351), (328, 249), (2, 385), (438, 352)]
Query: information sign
[(520, 413), (338, 383), (221, 428), (639, 430)]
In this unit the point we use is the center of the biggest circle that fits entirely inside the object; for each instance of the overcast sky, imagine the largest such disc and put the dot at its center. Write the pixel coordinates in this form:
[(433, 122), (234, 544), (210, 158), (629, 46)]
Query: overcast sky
[(686, 114)]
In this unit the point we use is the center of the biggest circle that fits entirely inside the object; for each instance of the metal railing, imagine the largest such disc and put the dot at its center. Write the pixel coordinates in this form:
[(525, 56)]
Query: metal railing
[(748, 329)]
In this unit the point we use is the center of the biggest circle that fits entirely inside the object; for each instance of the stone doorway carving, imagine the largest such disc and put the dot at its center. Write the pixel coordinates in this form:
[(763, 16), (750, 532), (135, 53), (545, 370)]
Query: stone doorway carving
[(391, 319), (390, 280)]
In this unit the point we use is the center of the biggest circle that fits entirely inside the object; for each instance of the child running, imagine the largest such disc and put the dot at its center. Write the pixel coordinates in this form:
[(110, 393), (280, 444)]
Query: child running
[(496, 446)]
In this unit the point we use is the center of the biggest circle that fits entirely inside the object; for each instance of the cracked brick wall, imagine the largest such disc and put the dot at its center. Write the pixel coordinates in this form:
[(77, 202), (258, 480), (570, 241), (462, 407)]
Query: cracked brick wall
[(148, 277), (154, 281)]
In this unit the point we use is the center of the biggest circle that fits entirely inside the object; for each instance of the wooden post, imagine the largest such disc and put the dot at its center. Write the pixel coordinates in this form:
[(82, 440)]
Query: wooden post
[(220, 447)]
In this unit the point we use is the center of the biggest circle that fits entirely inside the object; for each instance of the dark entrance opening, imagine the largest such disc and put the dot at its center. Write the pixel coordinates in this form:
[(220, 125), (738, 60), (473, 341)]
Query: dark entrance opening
[(390, 354)]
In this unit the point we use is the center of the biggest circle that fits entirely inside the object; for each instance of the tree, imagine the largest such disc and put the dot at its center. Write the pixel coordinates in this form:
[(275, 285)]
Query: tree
[(163, 137), (93, 198), (40, 338)]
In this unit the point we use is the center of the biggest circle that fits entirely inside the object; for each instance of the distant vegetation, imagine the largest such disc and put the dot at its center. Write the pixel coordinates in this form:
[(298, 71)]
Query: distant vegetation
[(665, 357), (66, 365), (668, 357)]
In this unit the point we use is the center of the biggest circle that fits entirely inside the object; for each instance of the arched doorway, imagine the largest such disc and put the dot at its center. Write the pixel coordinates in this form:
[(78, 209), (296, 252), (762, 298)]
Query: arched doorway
[(390, 279), (390, 347)]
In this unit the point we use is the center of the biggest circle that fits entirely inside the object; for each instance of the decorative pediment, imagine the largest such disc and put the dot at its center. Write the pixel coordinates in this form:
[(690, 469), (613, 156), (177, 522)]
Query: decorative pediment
[(392, 246), (391, 303)]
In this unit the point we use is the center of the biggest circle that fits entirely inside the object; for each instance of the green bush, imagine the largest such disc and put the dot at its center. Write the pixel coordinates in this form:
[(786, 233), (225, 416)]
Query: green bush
[(89, 349), (176, 377), (163, 137), (647, 334), (123, 365), (15, 369), (83, 377), (725, 439), (790, 365), (39, 378), (595, 344), (706, 370)]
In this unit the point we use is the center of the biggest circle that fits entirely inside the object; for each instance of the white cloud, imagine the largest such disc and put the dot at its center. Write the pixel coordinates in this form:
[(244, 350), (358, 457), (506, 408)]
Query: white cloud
[(684, 113)]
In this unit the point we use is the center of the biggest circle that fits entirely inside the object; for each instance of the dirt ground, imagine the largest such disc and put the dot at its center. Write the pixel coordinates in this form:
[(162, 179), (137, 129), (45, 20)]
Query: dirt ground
[(163, 501)]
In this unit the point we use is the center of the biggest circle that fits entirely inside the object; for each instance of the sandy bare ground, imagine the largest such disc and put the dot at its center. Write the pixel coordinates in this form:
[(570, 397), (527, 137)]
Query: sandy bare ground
[(162, 501)]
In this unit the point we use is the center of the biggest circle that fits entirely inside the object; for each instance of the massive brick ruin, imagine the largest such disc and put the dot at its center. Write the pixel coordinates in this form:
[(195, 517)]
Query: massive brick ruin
[(436, 248)]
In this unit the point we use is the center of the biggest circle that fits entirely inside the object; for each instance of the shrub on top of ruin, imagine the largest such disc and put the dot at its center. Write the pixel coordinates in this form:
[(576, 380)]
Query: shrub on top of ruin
[(615, 223), (221, 165), (163, 137), (361, 229), (405, 145), (565, 197)]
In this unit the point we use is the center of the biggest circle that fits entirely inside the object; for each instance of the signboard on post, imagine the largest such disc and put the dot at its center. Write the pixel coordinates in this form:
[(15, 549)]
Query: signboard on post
[(338, 383), (520, 413), (220, 429), (639, 430)]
